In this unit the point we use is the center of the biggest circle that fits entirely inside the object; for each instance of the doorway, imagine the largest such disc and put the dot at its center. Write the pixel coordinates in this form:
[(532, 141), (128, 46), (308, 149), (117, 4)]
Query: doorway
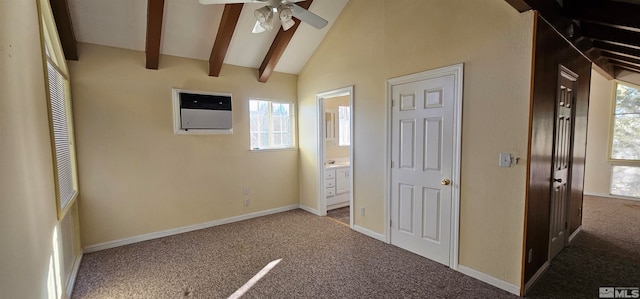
[(335, 152), (425, 127)]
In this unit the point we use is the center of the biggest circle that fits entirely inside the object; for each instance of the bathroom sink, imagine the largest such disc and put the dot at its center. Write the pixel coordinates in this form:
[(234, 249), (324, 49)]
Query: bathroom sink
[(337, 164)]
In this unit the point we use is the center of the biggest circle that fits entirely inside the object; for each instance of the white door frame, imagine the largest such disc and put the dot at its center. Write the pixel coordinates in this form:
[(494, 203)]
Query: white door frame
[(456, 70), (320, 98)]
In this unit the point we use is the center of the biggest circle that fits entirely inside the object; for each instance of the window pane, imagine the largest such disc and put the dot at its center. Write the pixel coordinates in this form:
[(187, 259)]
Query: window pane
[(625, 181), (626, 137), (344, 126), (270, 124), (627, 100), (626, 124)]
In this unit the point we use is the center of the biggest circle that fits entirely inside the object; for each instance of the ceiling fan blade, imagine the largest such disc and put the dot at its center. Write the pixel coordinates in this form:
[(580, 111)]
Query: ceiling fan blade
[(308, 17), (230, 1)]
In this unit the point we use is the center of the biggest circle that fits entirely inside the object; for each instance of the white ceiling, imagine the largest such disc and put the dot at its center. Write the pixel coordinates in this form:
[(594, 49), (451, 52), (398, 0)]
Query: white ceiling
[(189, 30)]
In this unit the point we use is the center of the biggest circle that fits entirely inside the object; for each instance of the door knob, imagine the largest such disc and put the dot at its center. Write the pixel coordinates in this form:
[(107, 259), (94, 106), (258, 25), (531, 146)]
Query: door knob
[(445, 182)]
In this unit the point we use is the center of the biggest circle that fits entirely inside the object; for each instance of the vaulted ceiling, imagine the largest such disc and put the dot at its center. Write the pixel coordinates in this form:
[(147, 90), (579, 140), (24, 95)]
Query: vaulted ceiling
[(606, 31), (219, 33)]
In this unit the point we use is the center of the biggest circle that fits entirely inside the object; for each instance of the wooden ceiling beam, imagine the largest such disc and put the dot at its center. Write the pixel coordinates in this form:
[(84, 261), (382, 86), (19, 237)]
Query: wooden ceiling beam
[(612, 13), (227, 26), (155, 12), (623, 60), (278, 46), (617, 49), (626, 66), (552, 13), (611, 34), (61, 14)]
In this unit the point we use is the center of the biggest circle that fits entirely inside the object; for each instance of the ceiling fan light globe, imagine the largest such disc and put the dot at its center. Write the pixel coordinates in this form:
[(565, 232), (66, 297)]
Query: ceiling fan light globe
[(286, 25), (264, 15), (285, 13)]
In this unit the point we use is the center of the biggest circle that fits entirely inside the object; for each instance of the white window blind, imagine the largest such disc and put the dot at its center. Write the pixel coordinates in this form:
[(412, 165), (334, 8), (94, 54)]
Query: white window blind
[(62, 144)]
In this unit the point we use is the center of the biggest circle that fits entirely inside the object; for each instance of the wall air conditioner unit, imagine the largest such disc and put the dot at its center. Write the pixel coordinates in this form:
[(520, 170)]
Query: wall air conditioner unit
[(200, 112)]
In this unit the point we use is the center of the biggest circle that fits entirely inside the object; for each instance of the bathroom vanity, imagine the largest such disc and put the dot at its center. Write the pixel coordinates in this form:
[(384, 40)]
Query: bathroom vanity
[(337, 185)]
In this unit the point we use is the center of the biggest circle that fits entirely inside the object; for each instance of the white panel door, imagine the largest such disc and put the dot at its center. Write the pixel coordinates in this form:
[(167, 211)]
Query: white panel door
[(422, 145), (562, 153)]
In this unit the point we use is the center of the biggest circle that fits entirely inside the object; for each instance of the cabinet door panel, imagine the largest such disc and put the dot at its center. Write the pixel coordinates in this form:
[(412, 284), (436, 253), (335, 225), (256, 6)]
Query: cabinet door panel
[(342, 180)]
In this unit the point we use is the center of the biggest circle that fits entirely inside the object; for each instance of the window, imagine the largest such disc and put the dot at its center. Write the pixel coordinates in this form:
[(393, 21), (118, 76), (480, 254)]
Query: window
[(271, 124), (344, 125), (625, 142), (58, 88)]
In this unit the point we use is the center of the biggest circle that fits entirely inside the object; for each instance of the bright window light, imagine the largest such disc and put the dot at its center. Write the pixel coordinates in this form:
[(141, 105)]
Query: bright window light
[(344, 126), (625, 142), (271, 124), (243, 289)]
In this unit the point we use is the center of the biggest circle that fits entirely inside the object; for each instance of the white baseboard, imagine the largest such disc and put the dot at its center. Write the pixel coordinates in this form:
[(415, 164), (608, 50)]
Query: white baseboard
[(501, 284), (179, 230), (575, 233), (74, 274), (370, 233), (607, 195), (535, 277), (310, 210)]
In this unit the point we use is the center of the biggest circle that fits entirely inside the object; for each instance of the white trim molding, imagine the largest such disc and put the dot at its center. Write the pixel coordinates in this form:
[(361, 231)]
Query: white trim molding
[(499, 283), (74, 274), (184, 229), (370, 233), (535, 277), (607, 195), (310, 210), (575, 233)]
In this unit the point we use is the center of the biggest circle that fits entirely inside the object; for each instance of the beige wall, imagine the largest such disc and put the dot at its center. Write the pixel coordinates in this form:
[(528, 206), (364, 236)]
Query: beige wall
[(333, 151), (137, 177), (373, 41), (597, 174), (27, 198)]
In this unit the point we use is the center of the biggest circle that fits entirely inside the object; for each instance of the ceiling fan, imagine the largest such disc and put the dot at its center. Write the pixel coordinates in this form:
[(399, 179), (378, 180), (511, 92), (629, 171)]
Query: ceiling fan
[(282, 10)]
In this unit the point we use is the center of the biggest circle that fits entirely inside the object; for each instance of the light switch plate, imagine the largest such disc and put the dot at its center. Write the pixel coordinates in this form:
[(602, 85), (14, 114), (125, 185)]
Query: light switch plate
[(505, 160)]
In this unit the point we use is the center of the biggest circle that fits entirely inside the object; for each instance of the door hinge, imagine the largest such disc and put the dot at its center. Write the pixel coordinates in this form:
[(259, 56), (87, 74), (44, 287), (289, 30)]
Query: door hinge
[(391, 223), (393, 103), (566, 225)]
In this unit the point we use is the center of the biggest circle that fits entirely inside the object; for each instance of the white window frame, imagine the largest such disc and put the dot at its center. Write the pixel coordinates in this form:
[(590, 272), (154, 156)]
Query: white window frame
[(614, 161), (270, 132), (53, 56)]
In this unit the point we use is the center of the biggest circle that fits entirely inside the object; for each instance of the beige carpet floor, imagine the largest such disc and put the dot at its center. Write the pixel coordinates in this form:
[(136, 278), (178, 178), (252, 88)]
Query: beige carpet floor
[(322, 258)]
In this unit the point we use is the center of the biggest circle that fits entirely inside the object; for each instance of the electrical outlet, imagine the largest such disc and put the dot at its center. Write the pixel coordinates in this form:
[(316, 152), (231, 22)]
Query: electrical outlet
[(246, 202), (361, 211), (245, 190)]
